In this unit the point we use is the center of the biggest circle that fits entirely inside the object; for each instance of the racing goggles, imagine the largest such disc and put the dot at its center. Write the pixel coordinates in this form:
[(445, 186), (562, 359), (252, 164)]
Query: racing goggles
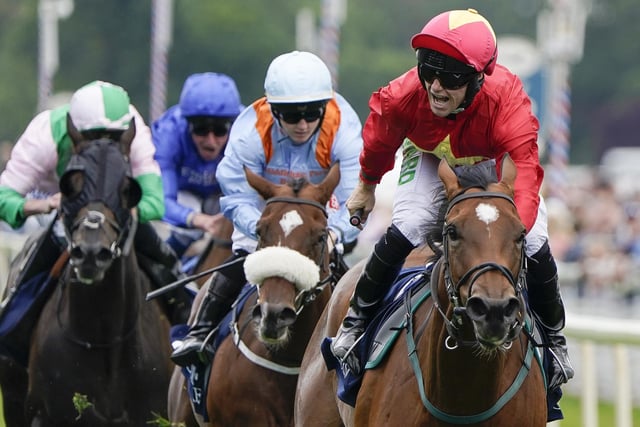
[(449, 81), (293, 117), (205, 126), (293, 113)]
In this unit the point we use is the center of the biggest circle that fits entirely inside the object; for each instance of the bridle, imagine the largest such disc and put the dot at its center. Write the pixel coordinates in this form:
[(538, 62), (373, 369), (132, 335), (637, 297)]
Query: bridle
[(120, 246), (303, 298), (306, 297), (454, 337), (94, 219), (471, 276)]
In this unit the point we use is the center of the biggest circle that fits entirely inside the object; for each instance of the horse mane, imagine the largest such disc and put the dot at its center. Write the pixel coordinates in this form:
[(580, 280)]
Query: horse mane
[(479, 175)]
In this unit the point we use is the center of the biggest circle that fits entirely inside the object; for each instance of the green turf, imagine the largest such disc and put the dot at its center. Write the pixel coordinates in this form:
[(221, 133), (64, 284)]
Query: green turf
[(606, 416)]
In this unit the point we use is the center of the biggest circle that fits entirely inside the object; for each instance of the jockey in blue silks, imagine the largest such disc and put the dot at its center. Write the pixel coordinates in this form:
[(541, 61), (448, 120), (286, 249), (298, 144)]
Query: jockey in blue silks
[(190, 138)]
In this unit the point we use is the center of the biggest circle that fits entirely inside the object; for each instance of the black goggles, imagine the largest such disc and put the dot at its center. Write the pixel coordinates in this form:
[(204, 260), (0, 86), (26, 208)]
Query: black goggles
[(293, 117), (219, 127), (450, 81)]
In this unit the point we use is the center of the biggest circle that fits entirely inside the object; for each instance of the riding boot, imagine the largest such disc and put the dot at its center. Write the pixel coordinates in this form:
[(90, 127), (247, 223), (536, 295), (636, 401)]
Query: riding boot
[(162, 266), (381, 269), (223, 290), (546, 302)]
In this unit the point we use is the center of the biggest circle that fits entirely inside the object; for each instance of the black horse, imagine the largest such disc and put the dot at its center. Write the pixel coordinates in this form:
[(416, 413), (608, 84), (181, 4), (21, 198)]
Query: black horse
[(99, 353)]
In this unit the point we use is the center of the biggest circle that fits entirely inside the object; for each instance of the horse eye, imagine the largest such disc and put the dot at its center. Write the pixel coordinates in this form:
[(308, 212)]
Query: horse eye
[(452, 232), (521, 238)]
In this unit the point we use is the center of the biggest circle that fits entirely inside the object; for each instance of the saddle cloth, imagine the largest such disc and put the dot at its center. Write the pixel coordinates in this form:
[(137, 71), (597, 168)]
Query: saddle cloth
[(197, 375)]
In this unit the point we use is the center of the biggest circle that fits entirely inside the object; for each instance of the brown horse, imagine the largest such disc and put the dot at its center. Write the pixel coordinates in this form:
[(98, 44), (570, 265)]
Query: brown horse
[(99, 354), (254, 373), (470, 362), (217, 250)]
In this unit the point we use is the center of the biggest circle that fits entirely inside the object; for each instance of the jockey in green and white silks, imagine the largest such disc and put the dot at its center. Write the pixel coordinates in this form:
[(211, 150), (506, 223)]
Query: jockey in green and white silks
[(42, 152), (40, 156)]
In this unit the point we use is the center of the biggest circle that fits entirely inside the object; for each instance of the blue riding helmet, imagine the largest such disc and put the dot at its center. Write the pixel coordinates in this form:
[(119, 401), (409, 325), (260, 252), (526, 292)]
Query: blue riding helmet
[(210, 94)]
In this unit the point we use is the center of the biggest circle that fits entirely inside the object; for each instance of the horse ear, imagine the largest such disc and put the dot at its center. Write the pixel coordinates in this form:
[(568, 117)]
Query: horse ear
[(74, 134), (133, 193), (263, 186), (71, 182), (449, 178), (127, 137), (330, 182), (508, 171)]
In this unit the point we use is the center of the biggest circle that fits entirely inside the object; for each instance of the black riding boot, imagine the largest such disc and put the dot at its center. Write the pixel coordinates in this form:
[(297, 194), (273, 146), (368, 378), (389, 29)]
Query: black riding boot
[(162, 266), (381, 269), (546, 302), (223, 290)]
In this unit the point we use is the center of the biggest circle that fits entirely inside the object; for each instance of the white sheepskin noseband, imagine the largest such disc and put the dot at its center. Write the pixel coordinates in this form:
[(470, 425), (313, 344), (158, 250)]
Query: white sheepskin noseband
[(282, 262)]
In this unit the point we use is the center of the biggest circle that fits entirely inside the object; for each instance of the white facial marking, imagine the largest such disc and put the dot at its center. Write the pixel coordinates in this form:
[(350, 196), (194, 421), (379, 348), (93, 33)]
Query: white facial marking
[(289, 221), (487, 213)]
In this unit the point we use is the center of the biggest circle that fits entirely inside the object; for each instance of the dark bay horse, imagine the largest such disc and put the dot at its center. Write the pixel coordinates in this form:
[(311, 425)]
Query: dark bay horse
[(470, 361), (254, 373), (99, 354)]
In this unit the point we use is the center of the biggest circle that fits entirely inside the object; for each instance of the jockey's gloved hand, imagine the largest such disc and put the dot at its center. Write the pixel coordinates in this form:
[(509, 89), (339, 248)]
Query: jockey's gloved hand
[(363, 198)]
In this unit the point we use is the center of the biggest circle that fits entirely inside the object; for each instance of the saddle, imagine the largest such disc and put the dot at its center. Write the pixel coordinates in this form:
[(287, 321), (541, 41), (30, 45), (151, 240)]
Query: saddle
[(197, 375), (382, 332)]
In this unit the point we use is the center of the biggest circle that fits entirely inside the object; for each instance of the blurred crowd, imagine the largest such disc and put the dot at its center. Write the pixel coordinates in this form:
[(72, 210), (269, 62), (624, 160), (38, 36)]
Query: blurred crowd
[(595, 236)]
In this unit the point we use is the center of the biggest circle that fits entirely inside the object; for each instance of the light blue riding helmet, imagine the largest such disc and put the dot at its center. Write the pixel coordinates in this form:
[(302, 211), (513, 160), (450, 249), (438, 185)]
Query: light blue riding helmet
[(210, 94)]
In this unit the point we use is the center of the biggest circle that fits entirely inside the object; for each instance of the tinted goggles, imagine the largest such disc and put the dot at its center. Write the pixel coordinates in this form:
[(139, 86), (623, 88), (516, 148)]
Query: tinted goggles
[(219, 127), (450, 81), (293, 117)]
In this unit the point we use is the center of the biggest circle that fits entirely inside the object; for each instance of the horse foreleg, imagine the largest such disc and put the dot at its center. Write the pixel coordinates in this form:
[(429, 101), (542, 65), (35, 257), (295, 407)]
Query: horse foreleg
[(179, 407)]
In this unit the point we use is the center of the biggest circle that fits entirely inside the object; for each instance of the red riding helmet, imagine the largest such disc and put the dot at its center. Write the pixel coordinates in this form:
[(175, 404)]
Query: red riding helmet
[(461, 34)]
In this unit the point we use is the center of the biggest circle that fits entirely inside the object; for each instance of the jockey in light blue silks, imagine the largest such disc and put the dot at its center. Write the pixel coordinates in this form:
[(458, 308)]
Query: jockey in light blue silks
[(299, 129)]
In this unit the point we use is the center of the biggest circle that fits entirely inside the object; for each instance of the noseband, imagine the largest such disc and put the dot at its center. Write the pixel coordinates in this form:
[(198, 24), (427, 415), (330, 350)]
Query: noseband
[(94, 220), (471, 276)]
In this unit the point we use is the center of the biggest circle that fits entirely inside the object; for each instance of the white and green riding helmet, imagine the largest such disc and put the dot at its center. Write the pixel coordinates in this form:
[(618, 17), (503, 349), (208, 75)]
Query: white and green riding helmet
[(100, 105)]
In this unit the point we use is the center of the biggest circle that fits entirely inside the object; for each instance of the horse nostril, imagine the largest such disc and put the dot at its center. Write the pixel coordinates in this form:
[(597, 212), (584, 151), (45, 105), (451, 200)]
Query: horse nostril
[(256, 313), (476, 308), (103, 255), (76, 254), (287, 317), (512, 308)]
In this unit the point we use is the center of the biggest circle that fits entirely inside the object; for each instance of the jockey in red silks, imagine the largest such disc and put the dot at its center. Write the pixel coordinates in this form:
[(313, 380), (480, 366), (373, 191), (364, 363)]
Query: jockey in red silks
[(458, 104)]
